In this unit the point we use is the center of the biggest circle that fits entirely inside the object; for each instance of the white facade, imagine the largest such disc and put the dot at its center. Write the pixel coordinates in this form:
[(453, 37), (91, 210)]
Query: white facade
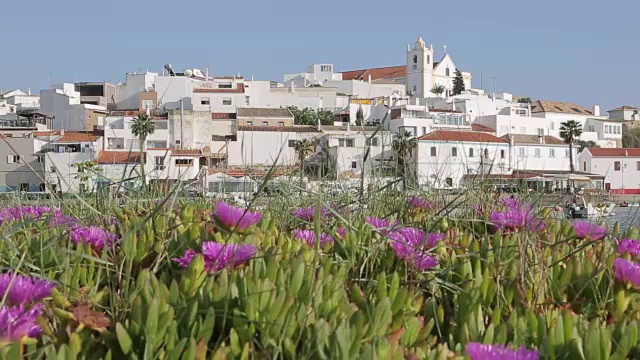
[(317, 74), (62, 104), (620, 168), (442, 164), (349, 146), (128, 91), (420, 120), (538, 153), (423, 73)]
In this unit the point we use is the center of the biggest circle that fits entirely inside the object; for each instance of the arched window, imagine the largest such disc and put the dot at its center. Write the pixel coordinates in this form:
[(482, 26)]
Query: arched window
[(415, 59)]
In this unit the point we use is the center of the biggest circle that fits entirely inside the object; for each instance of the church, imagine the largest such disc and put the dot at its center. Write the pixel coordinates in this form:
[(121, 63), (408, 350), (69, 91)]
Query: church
[(421, 74)]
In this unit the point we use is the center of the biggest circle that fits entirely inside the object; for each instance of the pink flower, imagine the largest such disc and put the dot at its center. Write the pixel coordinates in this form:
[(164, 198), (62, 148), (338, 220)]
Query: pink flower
[(632, 247), (627, 272), (309, 236), (381, 225), (93, 235), (234, 218), (309, 213), (589, 231), (477, 351), (419, 203), (219, 256)]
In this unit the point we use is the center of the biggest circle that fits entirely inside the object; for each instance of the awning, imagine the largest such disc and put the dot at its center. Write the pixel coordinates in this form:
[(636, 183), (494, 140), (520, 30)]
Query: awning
[(575, 177), (539, 178)]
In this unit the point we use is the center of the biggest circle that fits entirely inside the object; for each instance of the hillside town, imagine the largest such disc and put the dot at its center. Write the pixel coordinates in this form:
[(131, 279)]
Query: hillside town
[(220, 133)]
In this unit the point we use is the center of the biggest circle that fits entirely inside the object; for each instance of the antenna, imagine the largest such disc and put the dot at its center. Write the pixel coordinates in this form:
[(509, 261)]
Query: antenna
[(170, 70)]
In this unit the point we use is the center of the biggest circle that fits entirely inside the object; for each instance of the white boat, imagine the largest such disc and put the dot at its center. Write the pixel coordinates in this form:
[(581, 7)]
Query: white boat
[(604, 210), (584, 210)]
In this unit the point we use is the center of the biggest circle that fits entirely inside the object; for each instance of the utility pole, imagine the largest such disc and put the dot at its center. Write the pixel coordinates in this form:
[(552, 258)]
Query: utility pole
[(181, 117)]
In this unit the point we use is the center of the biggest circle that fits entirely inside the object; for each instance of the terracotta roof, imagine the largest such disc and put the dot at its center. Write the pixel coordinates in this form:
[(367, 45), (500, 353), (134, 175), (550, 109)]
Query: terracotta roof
[(532, 139), (482, 128), (559, 107), (352, 128), (118, 157), (155, 114), (463, 136), (389, 72), (265, 112), (623, 107), (614, 152), (186, 152), (239, 89), (296, 128), (223, 116), (46, 133), (77, 136), (239, 172)]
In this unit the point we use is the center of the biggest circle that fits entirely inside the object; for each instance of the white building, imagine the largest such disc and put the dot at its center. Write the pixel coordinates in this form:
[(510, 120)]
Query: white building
[(539, 153), (316, 74), (62, 104), (419, 120), (444, 157), (20, 100), (620, 168), (624, 113)]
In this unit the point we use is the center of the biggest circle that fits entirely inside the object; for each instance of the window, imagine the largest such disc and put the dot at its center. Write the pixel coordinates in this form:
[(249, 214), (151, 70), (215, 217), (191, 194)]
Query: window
[(584, 166), (204, 101), (428, 59), (424, 130), (637, 165), (249, 123), (471, 152), (616, 166), (13, 159), (454, 151), (486, 153), (184, 162), (23, 187), (161, 125), (280, 123), (247, 100), (447, 72), (40, 158), (225, 86), (566, 153), (552, 125), (159, 162), (372, 141), (591, 128), (226, 101), (521, 152), (433, 151), (521, 112), (540, 132), (502, 154), (537, 152), (265, 123), (146, 104), (552, 152), (341, 142), (52, 169), (325, 68), (449, 181), (349, 142), (415, 59), (292, 143), (354, 164)]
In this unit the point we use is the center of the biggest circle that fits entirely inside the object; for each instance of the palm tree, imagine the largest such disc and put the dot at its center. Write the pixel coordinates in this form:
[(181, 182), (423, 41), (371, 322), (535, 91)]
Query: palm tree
[(403, 147), (570, 131), (302, 149), (142, 127), (437, 89)]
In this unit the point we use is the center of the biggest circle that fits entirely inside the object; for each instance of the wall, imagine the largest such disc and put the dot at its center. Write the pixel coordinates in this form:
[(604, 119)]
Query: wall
[(524, 157), (627, 178), (29, 170), (434, 170), (64, 176), (127, 93)]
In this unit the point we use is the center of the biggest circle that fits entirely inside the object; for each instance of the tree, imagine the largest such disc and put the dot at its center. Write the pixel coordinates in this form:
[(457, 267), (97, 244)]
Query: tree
[(308, 116), (142, 127), (525, 100), (458, 83), (437, 89), (630, 137), (403, 147), (302, 148), (85, 170), (326, 117), (570, 131), (586, 144), (359, 117)]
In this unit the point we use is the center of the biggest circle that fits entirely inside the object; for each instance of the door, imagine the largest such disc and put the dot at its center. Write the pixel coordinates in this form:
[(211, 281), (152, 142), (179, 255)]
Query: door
[(607, 186)]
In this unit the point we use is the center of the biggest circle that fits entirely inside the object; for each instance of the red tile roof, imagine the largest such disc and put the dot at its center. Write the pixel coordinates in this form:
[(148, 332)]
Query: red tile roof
[(389, 72), (46, 133), (186, 152), (77, 136), (614, 152), (483, 128), (624, 107), (222, 116), (118, 157), (239, 172), (465, 136), (239, 89)]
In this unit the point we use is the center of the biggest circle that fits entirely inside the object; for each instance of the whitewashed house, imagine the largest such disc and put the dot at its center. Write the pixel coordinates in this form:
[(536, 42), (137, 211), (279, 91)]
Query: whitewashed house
[(444, 157), (539, 153), (620, 168)]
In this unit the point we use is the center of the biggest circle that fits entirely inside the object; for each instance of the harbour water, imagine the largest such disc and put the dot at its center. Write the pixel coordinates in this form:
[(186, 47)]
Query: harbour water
[(626, 216)]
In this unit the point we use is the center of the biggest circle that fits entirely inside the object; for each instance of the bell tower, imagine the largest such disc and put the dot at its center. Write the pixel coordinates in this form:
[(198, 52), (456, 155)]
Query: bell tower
[(420, 69)]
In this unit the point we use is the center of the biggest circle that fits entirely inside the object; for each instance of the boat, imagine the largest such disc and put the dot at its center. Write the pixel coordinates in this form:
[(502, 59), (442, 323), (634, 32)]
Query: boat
[(634, 204), (623, 204), (577, 210)]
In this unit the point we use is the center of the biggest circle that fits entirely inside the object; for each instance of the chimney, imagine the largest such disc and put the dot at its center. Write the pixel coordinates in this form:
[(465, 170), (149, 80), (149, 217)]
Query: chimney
[(369, 78), (541, 139), (596, 110)]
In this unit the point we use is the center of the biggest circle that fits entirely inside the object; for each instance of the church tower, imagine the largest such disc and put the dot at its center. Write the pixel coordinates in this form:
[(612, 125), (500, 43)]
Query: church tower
[(420, 69)]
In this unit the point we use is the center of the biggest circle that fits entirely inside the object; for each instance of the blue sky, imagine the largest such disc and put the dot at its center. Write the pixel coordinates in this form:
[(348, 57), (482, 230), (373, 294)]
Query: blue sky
[(567, 50)]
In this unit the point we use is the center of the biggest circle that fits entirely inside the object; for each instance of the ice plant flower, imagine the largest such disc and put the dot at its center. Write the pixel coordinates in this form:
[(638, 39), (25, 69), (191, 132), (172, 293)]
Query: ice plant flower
[(477, 351), (381, 225), (19, 213), (628, 246), (23, 290), (19, 322), (627, 272), (235, 218), (342, 232), (516, 218), (309, 213), (59, 219), (219, 256), (511, 203), (93, 235), (423, 261), (186, 259), (411, 245), (419, 203), (589, 231), (309, 236)]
